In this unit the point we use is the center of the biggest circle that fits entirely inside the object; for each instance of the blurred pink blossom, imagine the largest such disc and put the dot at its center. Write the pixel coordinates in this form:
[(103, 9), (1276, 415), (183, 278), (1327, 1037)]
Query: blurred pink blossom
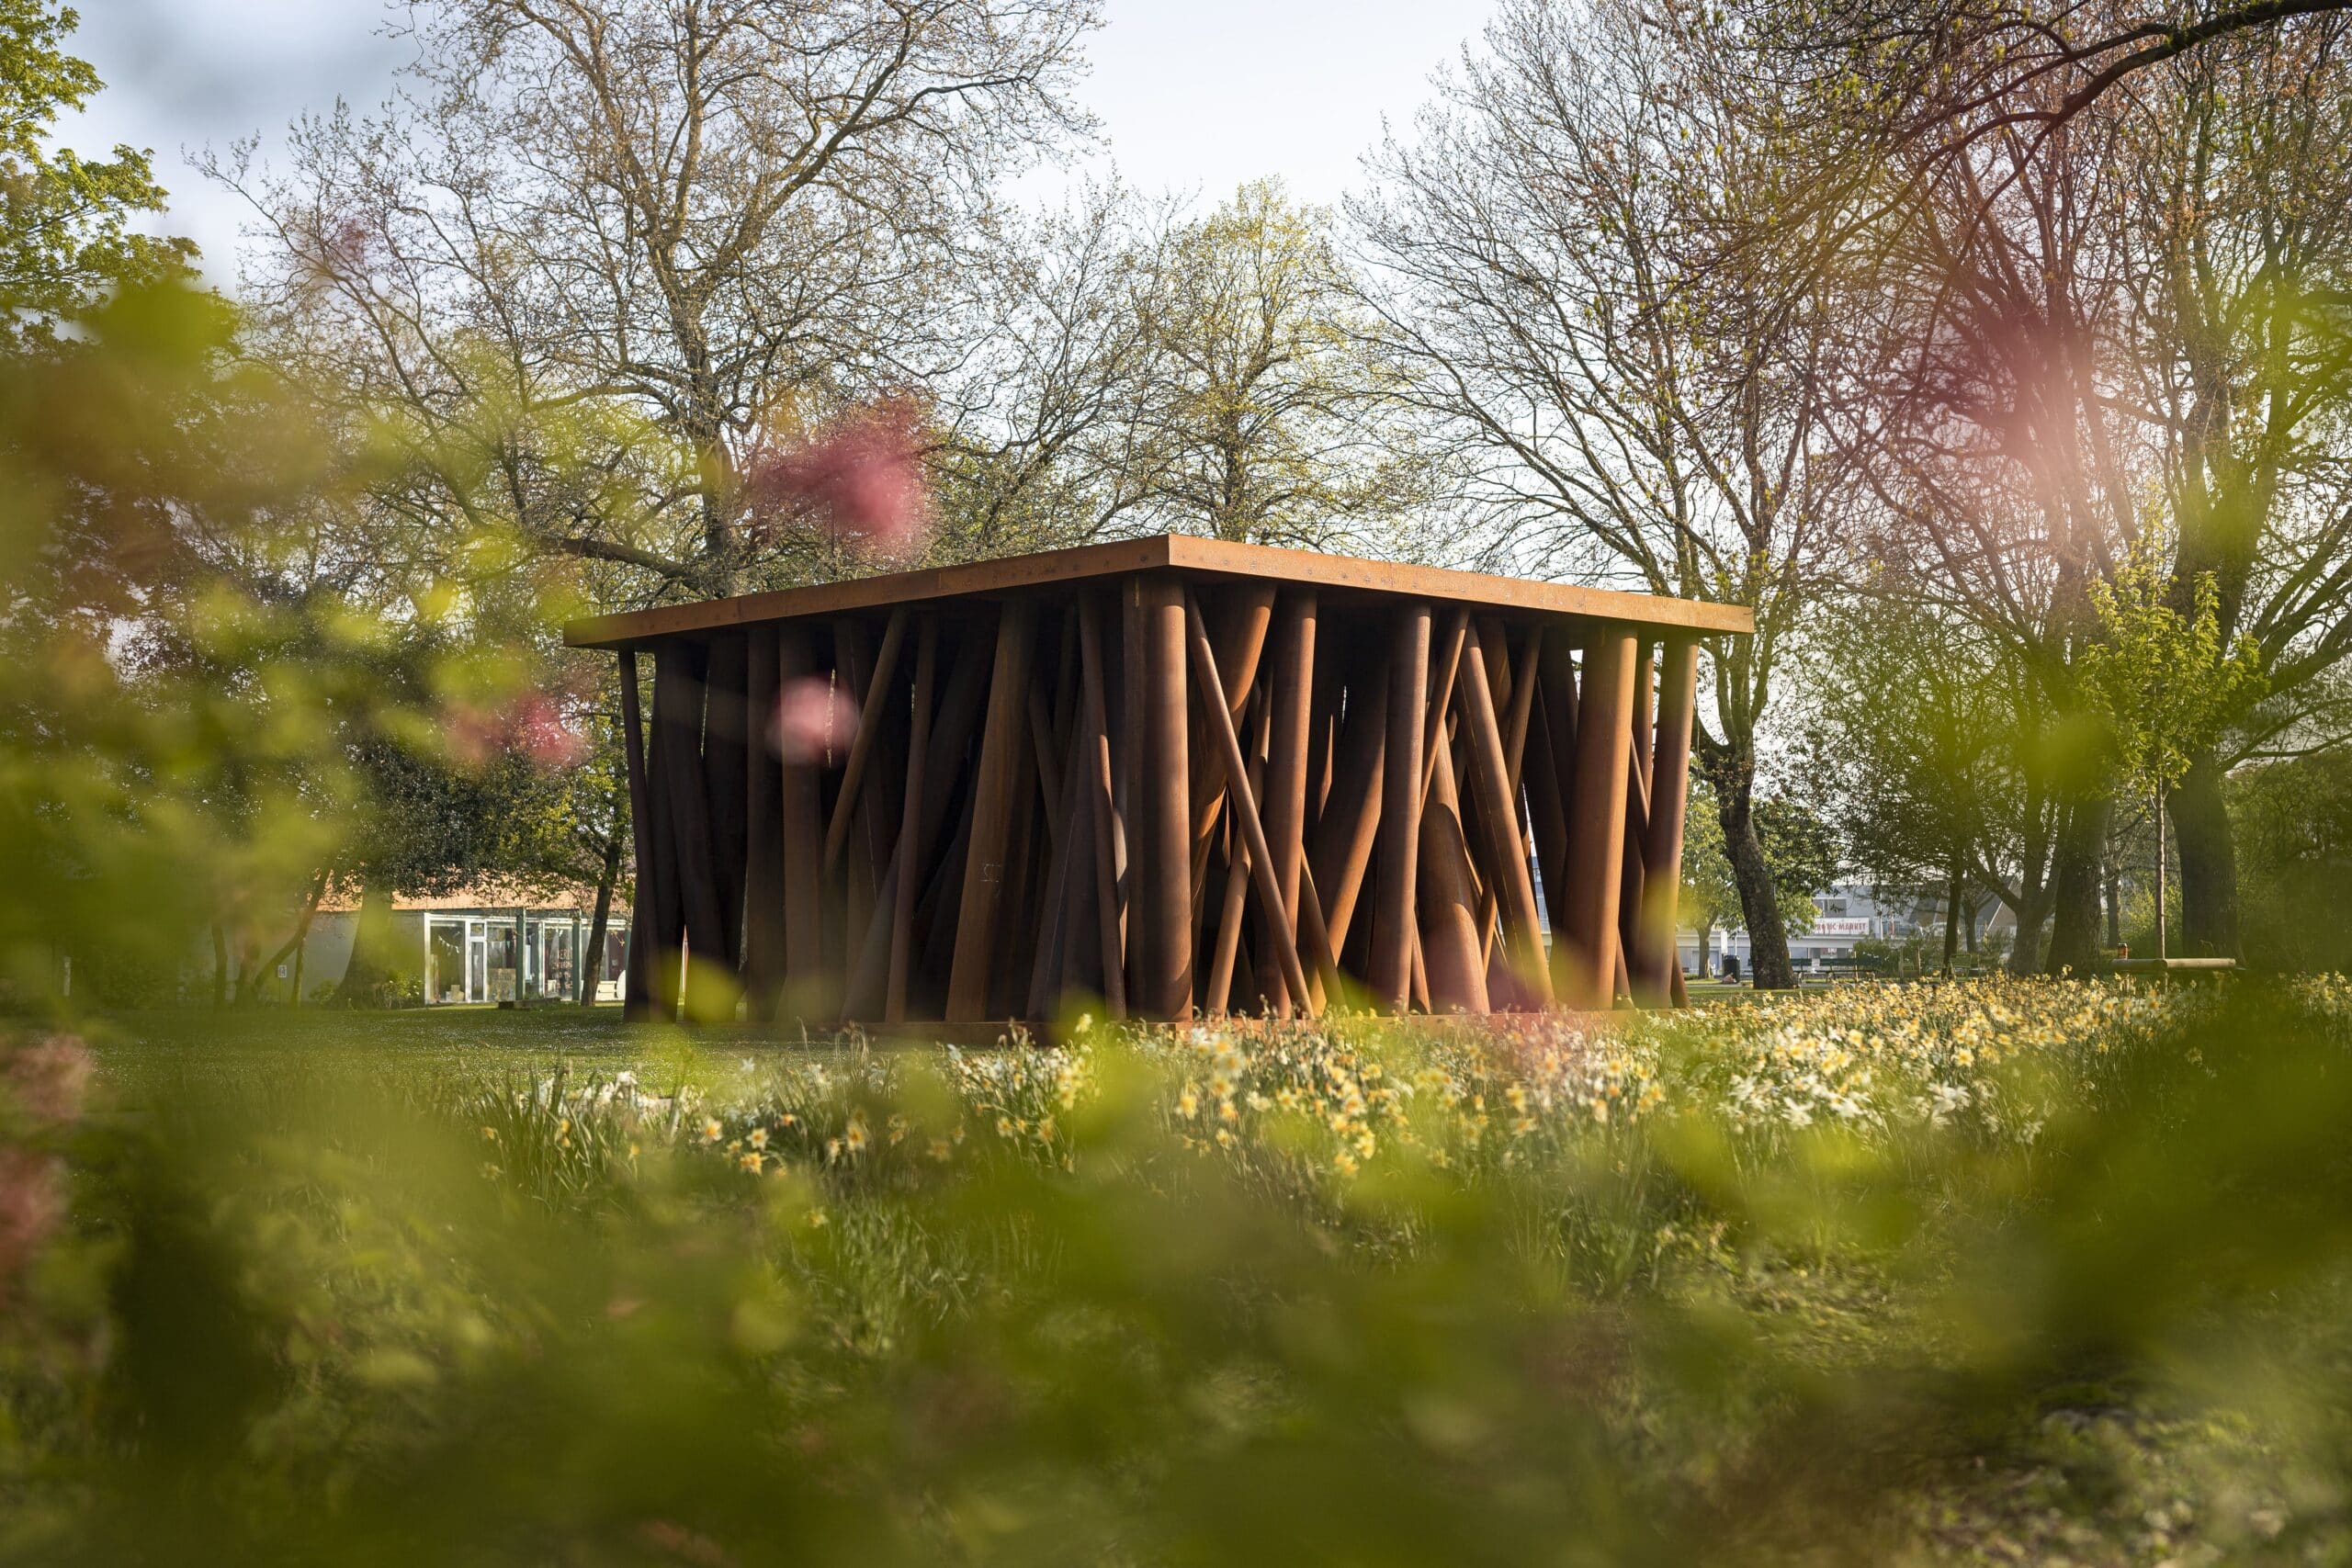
[(538, 730), (533, 725), (862, 476), (470, 733), (32, 1202), (46, 1081), (814, 720)]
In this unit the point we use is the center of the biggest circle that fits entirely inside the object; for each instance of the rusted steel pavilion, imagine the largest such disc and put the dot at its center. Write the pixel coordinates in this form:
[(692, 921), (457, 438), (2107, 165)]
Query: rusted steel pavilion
[(1181, 775)]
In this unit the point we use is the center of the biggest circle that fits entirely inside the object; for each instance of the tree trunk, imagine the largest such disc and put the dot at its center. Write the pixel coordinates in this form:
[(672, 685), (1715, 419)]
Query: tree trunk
[(2209, 863), (2074, 876), (1968, 923), (1707, 947), (366, 970), (293, 944), (591, 961), (2025, 953), (302, 929), (2031, 904), (1952, 917), (2115, 901), (1759, 901), (220, 965)]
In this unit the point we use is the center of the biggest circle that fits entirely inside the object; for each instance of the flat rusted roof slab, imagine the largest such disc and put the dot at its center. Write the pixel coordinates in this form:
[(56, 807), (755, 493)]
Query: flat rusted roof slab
[(1342, 577)]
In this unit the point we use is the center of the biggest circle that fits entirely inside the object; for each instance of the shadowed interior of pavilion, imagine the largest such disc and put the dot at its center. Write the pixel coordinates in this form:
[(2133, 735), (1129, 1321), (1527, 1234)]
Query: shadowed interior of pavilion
[(1179, 775)]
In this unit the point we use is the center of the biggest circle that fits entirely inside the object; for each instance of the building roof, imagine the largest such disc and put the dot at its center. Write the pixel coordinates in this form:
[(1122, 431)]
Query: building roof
[(1344, 577), (494, 897)]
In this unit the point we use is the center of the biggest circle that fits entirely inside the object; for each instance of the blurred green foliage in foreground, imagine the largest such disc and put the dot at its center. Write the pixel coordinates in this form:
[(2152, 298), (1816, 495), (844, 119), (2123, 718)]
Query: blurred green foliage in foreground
[(1924, 1274), (232, 679)]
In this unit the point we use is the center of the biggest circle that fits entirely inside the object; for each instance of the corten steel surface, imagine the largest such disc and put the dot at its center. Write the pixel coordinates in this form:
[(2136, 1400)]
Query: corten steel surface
[(1174, 774)]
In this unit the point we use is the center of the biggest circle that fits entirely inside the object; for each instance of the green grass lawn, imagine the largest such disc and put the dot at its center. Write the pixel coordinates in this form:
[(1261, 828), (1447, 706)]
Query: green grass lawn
[(143, 1051), (1994, 1271), (426, 1041)]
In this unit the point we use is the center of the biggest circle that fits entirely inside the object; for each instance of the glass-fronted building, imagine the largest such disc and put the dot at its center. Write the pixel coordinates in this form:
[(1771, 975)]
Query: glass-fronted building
[(477, 948), (505, 955)]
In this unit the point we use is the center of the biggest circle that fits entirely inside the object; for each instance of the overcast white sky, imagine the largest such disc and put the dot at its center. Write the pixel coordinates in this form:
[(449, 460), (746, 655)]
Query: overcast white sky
[(1193, 95)]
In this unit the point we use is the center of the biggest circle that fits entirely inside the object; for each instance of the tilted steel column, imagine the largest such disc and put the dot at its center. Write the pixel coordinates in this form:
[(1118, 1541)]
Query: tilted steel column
[(1162, 868), (1002, 740), (1589, 950), (1658, 966), (1399, 843)]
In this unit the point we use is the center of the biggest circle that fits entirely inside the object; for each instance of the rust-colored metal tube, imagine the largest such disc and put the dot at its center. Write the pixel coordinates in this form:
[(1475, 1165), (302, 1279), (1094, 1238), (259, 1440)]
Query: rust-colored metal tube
[(1505, 851), (957, 713), (1659, 973), (1395, 914), (1290, 692), (1588, 951), (638, 982), (1245, 811), (1457, 972), (1547, 813), (906, 863), (1163, 865), (860, 748), (1644, 677), (1349, 825), (726, 783), (1522, 703), (1055, 910), (1629, 891), (1244, 612), (1049, 771), (1315, 940), (1104, 813), (1236, 884), (764, 834), (679, 710), (997, 779), (1449, 663), (801, 807)]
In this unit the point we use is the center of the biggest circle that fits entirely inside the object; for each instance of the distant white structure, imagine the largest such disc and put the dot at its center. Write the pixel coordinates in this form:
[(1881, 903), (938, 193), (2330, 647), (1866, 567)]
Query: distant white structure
[(479, 945), (1850, 912)]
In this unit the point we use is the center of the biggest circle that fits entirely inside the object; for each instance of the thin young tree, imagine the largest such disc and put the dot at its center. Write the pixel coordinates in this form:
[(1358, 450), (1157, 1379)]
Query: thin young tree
[(2163, 681)]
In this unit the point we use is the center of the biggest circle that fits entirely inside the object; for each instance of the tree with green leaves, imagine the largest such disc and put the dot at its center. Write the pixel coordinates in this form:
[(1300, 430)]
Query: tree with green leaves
[(178, 736), (66, 241), (2065, 311), (486, 814), (1804, 851), (1918, 735), (1709, 897), (1264, 417), (2161, 679), (2238, 261), (1800, 848), (223, 662), (2293, 821)]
